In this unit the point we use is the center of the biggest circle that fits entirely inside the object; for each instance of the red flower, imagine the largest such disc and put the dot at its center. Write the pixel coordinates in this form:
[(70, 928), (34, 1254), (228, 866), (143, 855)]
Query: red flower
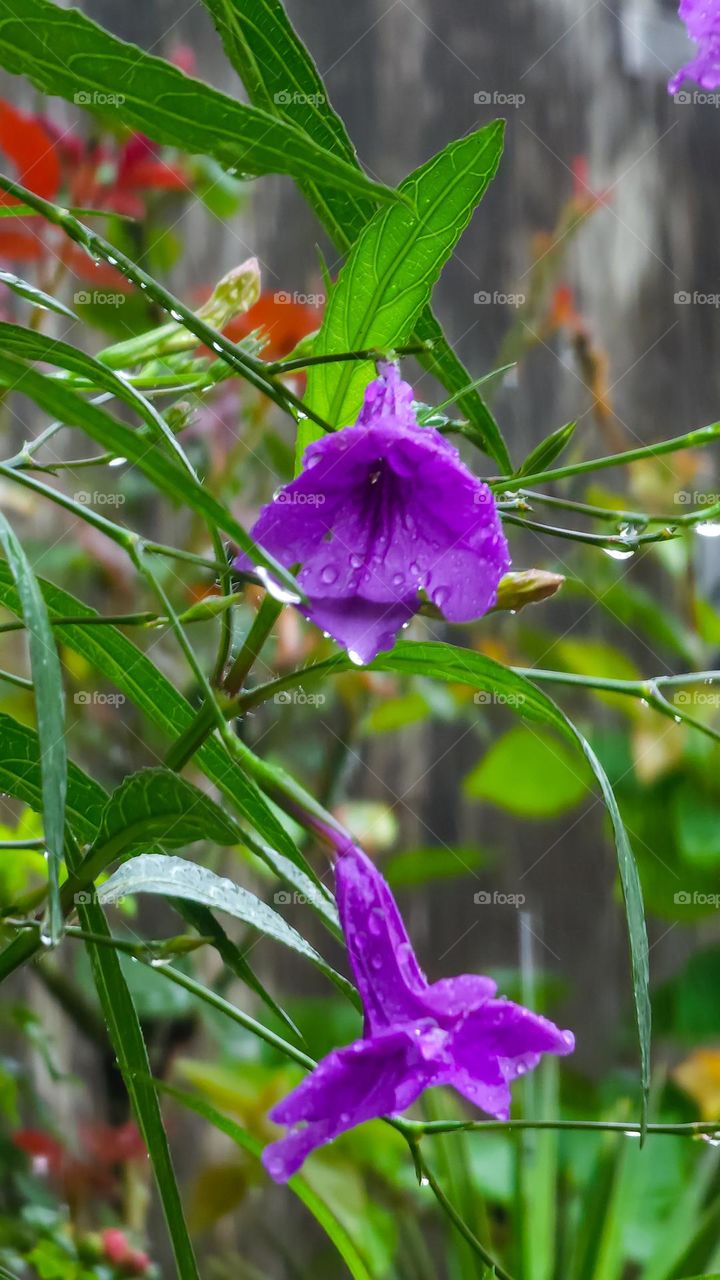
[(121, 1254), (285, 322)]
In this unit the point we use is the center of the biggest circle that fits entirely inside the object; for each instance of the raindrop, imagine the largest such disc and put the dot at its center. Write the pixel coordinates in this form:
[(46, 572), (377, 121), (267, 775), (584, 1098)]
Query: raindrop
[(175, 315), (117, 462), (274, 589), (616, 554), (710, 529), (424, 1182), (712, 1138), (217, 346), (631, 1133), (355, 658), (355, 561), (329, 574)]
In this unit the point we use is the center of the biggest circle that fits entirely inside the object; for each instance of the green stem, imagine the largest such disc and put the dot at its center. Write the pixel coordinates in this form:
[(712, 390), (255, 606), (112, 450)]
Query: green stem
[(617, 542), (262, 624), (21, 682), (692, 440), (459, 1222), (21, 844), (371, 353)]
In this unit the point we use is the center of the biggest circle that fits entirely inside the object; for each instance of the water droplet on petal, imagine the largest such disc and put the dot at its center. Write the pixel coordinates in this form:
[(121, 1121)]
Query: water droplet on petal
[(273, 588), (329, 574)]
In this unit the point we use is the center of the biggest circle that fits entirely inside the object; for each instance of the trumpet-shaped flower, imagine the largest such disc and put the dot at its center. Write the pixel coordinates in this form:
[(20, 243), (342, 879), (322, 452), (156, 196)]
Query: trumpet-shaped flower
[(416, 1034), (382, 510), (702, 19)]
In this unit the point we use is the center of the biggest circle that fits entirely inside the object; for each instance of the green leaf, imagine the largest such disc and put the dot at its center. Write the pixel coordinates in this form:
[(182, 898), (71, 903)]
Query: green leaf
[(390, 272), (130, 1050), (544, 454), (37, 296), (331, 1225), (20, 776), (37, 346), (117, 658), (168, 476), (527, 773), (67, 55), (280, 76), (50, 714), (174, 877), (156, 805)]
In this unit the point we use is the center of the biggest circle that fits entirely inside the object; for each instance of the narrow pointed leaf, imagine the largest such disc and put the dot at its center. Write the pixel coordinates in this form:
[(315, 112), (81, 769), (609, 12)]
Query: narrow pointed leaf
[(544, 454), (280, 77), (174, 877), (67, 55), (49, 711), (31, 293), (393, 266), (331, 1225)]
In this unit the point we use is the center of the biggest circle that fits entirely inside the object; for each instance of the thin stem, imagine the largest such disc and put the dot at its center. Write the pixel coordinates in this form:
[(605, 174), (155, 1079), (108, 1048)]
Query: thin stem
[(262, 625), (21, 844), (21, 682), (371, 353), (175, 553), (459, 1222), (247, 366), (617, 542), (692, 440), (434, 1128)]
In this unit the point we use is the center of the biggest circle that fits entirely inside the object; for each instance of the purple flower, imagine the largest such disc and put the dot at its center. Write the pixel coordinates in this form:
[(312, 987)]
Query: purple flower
[(381, 510), (416, 1034), (702, 19)]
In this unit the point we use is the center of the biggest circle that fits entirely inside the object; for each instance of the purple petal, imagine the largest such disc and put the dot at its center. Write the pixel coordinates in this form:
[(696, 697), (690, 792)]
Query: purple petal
[(382, 510), (364, 1080), (391, 983), (382, 959), (496, 1043), (702, 19)]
